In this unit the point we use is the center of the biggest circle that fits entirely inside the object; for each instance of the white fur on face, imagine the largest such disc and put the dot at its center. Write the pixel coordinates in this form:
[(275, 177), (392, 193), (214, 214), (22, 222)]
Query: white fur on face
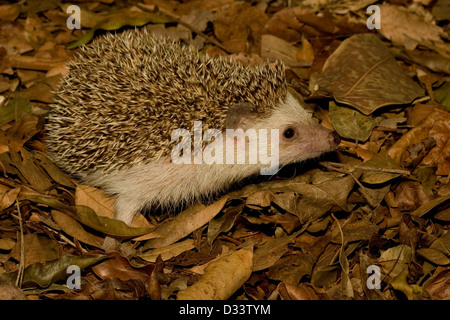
[(309, 140)]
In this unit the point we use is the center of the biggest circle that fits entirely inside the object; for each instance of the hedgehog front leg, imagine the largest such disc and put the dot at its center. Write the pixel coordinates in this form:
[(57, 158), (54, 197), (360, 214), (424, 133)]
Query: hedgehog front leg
[(126, 209)]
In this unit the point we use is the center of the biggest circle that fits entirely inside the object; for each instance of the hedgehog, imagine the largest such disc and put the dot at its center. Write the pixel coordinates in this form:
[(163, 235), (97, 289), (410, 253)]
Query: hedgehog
[(113, 117)]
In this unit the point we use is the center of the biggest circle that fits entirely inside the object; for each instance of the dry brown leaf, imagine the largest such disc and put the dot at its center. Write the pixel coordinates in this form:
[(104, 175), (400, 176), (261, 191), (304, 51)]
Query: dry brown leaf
[(222, 277), (267, 254), (394, 260), (185, 223), (38, 249), (7, 244), (301, 292), (440, 154), (437, 126), (410, 195), (431, 205), (95, 199), (74, 229), (321, 197), (9, 291), (285, 25), (153, 287), (53, 170), (235, 23), (23, 165), (223, 223), (354, 231), (434, 256), (279, 49), (419, 112), (7, 196), (306, 53), (286, 200), (374, 195), (260, 198), (438, 286), (22, 130), (88, 217), (198, 19), (322, 22), (169, 251), (400, 283), (406, 28), (119, 267), (103, 205), (35, 63), (365, 79), (200, 268), (288, 221), (442, 243), (9, 12), (14, 40), (291, 268)]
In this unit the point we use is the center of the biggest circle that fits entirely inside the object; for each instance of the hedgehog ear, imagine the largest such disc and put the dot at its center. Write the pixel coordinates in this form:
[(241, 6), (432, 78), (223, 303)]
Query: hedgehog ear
[(239, 114)]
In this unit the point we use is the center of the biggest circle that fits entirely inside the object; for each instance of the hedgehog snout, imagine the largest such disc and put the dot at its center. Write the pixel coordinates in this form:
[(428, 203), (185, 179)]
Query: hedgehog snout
[(335, 139)]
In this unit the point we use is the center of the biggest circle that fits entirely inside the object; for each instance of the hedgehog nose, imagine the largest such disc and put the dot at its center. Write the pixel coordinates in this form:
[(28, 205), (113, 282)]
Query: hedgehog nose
[(335, 138)]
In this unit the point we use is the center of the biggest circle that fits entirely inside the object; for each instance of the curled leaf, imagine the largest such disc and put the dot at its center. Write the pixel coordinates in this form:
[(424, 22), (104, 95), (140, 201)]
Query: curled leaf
[(221, 278)]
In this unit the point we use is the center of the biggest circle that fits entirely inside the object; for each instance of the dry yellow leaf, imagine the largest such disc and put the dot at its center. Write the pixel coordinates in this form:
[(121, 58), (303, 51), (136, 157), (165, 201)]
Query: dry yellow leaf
[(7, 196), (221, 278), (95, 199), (103, 205), (185, 223)]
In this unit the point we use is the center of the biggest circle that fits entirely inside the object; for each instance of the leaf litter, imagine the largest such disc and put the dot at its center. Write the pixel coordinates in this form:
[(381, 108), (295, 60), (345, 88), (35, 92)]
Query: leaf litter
[(308, 233)]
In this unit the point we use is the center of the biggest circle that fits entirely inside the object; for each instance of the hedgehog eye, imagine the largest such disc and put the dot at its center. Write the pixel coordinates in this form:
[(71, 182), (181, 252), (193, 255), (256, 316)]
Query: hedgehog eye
[(289, 133)]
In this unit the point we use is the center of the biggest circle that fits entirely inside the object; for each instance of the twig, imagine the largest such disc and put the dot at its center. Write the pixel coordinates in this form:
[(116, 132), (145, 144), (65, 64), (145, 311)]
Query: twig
[(331, 165), (22, 251), (344, 264), (32, 63), (340, 229)]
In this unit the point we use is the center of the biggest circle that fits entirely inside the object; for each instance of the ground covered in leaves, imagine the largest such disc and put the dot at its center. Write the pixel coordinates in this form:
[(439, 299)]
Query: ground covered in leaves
[(368, 222)]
